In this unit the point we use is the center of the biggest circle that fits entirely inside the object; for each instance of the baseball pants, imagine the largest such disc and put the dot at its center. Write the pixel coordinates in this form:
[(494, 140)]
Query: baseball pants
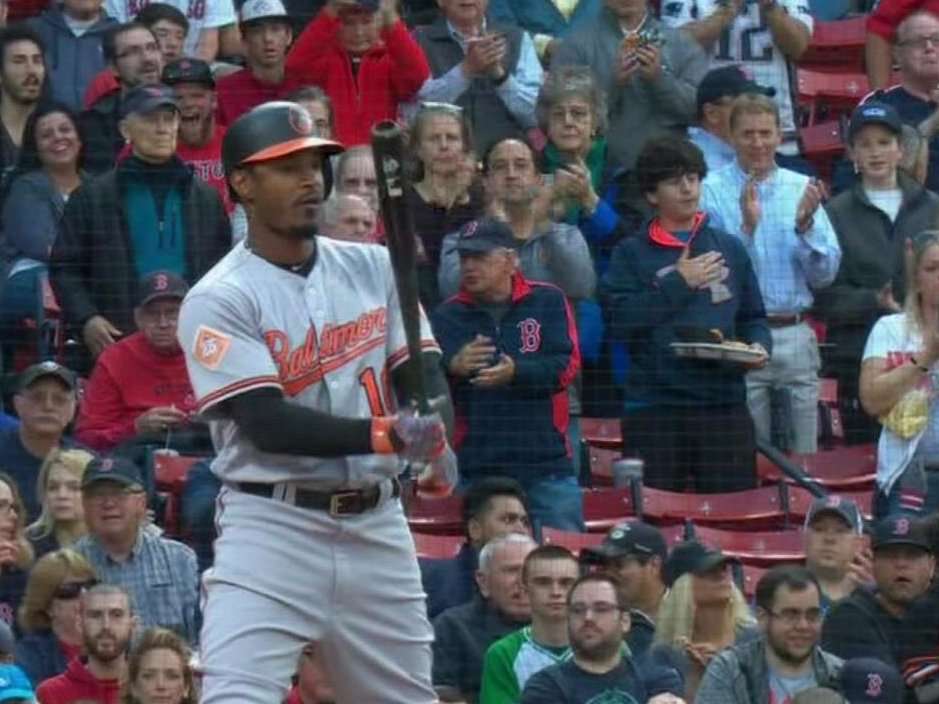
[(284, 576)]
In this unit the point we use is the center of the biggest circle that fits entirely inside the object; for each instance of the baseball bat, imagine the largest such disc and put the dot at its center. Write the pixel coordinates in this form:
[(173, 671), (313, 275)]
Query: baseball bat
[(388, 150)]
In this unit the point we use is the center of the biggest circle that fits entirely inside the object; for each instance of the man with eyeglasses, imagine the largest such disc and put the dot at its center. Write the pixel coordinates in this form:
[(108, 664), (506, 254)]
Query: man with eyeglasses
[(160, 575), (600, 669), (786, 659), (45, 403)]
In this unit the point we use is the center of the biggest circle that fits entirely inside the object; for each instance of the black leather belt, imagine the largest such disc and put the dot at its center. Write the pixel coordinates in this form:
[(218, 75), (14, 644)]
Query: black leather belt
[(336, 503), (784, 321)]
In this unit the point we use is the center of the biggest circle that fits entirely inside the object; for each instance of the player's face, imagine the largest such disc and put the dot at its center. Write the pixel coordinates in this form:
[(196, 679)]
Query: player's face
[(917, 48), (676, 199), (571, 124), (755, 138), (502, 583), (503, 515), (171, 37), (595, 622), (356, 221), (830, 545), (512, 176), (138, 60), (24, 70), (284, 194), (713, 587), (153, 135), (112, 510), (107, 624), (161, 678), (196, 108), (440, 145), (902, 572), (358, 31), (635, 577), (157, 321), (46, 407), (547, 584), (794, 626), (877, 154), (57, 141), (266, 42), (358, 178), (63, 495), (487, 275)]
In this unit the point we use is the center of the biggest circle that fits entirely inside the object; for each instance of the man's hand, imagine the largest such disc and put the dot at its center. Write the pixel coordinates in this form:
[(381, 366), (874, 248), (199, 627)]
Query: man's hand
[(484, 56), (760, 363), (499, 374), (573, 181), (388, 10), (650, 61), (473, 356), (812, 197), (861, 569), (627, 66), (159, 420), (98, 333), (750, 207), (701, 270)]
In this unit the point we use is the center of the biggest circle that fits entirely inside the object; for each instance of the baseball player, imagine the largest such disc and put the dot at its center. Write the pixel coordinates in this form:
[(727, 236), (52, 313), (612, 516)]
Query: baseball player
[(292, 344)]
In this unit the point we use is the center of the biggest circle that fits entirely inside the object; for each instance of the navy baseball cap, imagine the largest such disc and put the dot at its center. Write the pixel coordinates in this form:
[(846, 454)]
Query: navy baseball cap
[(145, 99), (901, 530), (485, 235), (632, 539), (112, 469), (188, 71), (870, 681), (160, 284), (15, 685), (46, 369), (874, 113), (728, 82), (692, 557), (846, 509)]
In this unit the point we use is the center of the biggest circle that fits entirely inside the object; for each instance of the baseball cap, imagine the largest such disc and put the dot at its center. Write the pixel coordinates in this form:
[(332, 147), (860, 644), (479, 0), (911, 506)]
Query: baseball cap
[(188, 71), (145, 99), (692, 557), (14, 684), (870, 681), (112, 469), (485, 235), (627, 540), (362, 6), (254, 10), (846, 509), (270, 131), (728, 81), (874, 113), (901, 530), (160, 284), (40, 371)]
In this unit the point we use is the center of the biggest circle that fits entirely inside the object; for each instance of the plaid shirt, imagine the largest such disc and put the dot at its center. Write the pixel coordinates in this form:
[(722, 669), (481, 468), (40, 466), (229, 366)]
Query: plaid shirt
[(160, 575)]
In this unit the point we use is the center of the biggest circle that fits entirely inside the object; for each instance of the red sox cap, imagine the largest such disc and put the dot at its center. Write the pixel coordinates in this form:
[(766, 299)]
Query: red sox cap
[(271, 131)]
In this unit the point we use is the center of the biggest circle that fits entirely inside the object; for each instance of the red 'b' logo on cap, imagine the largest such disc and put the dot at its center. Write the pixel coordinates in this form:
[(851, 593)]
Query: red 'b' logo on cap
[(161, 283), (107, 464), (902, 526), (875, 685), (300, 120)]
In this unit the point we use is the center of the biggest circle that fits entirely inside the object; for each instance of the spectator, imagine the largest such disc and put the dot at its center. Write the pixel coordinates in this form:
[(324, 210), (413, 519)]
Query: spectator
[(548, 251), (716, 93), (874, 220), (133, 55), (599, 669), (833, 539), (199, 142), (266, 35), (311, 683), (388, 66), (160, 575), (870, 681), (320, 107), (48, 171), (16, 687), (766, 38), (650, 72), (139, 391), (546, 21), (867, 623), (62, 520), (776, 213), (680, 278), (349, 218), (462, 634), (158, 670), (492, 508), (71, 37), (509, 374), (702, 613), (168, 220), (444, 196), (16, 554), (490, 70), (22, 80), (355, 175), (107, 624), (45, 403), (786, 658), (882, 39), (548, 573), (49, 614), (895, 386)]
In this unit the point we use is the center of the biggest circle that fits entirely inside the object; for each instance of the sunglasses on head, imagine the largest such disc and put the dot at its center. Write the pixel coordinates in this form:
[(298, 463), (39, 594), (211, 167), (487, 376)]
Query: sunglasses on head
[(71, 590)]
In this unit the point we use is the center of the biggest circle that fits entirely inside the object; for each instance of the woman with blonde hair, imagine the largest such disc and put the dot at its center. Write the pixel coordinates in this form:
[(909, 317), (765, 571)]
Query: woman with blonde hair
[(158, 670), (58, 487), (703, 613), (48, 615)]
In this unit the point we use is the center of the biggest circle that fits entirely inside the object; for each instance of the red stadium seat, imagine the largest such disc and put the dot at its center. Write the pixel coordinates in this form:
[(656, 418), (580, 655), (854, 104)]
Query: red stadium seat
[(821, 145), (604, 508), (848, 468), (171, 522), (440, 516), (800, 500), (836, 46), (762, 548), (752, 509), (747, 578), (169, 471), (440, 547), (602, 432), (601, 462), (835, 94)]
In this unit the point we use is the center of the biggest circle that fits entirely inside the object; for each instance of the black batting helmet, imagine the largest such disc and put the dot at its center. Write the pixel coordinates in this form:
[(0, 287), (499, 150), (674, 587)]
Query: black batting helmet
[(270, 131)]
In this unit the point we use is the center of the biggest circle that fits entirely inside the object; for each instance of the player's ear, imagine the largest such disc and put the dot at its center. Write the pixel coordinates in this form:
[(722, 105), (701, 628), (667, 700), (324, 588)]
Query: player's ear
[(242, 184)]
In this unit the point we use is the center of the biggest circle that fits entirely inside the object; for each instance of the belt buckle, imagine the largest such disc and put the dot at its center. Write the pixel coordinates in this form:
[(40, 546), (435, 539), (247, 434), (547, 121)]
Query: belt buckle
[(344, 503)]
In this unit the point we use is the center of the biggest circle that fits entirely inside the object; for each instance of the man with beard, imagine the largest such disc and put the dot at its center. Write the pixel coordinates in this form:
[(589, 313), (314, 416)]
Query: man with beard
[(107, 623), (786, 659), (22, 74), (600, 669)]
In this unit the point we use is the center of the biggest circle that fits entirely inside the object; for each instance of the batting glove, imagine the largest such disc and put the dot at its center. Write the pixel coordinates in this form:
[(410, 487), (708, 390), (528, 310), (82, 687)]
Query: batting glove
[(441, 476), (416, 439)]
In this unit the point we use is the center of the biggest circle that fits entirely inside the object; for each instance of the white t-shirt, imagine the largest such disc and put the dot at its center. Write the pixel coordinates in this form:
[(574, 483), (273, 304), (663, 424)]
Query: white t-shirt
[(782, 690), (202, 14), (888, 200)]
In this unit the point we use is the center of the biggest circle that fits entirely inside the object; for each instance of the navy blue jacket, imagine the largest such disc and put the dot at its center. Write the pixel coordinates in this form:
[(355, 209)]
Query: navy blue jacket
[(449, 582), (646, 301), (520, 429), (40, 656)]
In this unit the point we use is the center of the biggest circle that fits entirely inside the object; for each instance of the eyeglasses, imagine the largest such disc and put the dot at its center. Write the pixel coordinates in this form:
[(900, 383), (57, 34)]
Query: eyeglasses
[(71, 590), (576, 113), (139, 50), (792, 617), (600, 608), (441, 107), (921, 42)]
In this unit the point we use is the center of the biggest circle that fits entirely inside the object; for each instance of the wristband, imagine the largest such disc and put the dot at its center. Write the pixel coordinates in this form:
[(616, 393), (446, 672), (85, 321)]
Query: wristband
[(922, 368), (382, 428)]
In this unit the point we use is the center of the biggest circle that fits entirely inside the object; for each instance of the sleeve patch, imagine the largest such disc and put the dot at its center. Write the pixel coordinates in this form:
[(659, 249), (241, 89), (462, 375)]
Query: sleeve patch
[(210, 347)]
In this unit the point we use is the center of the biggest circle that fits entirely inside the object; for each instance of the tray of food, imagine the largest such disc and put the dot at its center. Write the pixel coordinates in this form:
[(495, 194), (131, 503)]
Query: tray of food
[(739, 352)]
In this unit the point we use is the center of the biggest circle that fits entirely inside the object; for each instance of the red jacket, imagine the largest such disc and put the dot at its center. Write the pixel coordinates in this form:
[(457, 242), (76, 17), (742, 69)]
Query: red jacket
[(390, 73), (130, 378), (77, 684), (240, 91), (888, 14)]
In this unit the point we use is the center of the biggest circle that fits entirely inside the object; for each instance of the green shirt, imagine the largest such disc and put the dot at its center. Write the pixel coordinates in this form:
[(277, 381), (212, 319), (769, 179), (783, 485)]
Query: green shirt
[(510, 661)]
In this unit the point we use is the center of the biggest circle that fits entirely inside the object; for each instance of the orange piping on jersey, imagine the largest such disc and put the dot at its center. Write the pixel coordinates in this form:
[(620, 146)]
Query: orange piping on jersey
[(237, 387)]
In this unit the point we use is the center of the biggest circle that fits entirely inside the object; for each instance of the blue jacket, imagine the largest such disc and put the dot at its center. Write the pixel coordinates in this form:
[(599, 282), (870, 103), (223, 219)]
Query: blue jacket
[(542, 16), (520, 429), (449, 582), (646, 303), (40, 656)]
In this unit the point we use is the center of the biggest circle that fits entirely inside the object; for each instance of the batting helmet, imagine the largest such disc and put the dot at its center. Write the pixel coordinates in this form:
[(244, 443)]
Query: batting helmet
[(270, 131)]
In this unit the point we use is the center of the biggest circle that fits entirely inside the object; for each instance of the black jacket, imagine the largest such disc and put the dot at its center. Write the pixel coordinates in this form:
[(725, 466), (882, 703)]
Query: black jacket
[(100, 134), (859, 627), (449, 582), (93, 270)]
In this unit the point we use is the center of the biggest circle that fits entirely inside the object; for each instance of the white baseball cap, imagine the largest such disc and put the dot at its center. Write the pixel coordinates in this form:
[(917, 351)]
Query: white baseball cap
[(259, 9)]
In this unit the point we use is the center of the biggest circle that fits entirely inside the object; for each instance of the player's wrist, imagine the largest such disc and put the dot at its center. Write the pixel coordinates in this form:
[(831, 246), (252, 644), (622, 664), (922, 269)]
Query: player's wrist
[(383, 437)]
